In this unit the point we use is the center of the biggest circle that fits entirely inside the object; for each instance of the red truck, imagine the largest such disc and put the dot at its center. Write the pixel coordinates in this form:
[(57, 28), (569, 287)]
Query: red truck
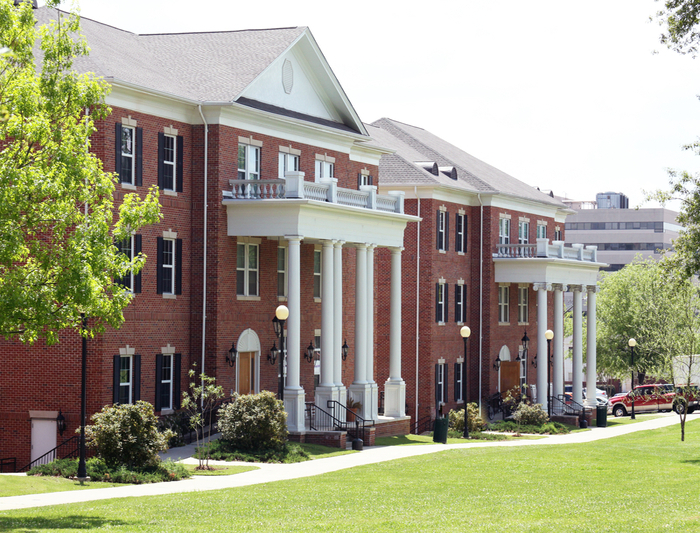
[(647, 398)]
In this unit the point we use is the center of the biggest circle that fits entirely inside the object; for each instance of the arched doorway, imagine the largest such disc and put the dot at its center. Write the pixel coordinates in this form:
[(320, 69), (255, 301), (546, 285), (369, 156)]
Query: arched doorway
[(509, 373), (248, 364)]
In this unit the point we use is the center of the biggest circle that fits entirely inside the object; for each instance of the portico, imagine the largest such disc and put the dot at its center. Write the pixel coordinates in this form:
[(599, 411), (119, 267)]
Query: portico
[(553, 268)]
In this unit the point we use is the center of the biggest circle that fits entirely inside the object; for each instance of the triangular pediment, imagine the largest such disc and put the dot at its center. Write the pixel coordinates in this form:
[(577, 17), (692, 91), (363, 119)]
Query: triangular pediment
[(300, 83)]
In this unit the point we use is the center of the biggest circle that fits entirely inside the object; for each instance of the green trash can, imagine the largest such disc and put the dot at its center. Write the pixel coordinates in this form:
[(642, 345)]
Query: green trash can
[(440, 430), (601, 416)]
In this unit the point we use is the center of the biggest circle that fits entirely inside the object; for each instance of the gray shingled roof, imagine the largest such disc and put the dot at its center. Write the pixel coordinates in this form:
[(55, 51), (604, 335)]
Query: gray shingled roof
[(413, 144), (214, 66)]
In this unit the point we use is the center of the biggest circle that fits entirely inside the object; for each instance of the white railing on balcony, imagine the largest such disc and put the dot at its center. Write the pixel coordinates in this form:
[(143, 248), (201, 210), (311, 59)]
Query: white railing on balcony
[(294, 186), (543, 248)]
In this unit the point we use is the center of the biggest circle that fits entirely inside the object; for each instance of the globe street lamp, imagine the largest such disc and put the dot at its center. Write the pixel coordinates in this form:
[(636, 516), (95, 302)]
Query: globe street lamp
[(632, 343), (549, 335), (281, 315), (465, 332)]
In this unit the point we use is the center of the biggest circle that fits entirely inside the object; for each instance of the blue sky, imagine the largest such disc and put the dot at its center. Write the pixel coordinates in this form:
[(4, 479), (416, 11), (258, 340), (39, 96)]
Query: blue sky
[(578, 97)]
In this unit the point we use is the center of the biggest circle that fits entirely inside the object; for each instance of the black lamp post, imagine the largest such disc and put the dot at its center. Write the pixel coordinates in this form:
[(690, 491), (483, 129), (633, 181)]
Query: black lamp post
[(465, 332), (549, 335), (497, 362), (281, 315), (345, 349), (526, 342), (309, 354), (82, 467), (60, 423), (632, 343), (272, 356), (231, 355)]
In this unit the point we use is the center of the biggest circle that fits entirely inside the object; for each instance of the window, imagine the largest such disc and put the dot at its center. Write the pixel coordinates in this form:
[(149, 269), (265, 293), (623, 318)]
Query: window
[(461, 233), (127, 377), (503, 303), (441, 302), (459, 385), (169, 252), (167, 381), (363, 178), (129, 150), (441, 383), (287, 163), (324, 169), (523, 232), (281, 271), (557, 234), (523, 301), (131, 248), (248, 162), (170, 161), (317, 273), (541, 231), (460, 303), (504, 231), (443, 228), (247, 270)]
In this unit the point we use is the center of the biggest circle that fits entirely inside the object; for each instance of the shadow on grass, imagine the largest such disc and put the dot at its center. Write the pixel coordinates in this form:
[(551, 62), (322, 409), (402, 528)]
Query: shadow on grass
[(37, 523)]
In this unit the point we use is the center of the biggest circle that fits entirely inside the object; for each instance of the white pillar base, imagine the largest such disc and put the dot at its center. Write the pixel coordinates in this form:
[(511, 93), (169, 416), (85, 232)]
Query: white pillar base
[(325, 393), (362, 392), (395, 398), (375, 401), (294, 405)]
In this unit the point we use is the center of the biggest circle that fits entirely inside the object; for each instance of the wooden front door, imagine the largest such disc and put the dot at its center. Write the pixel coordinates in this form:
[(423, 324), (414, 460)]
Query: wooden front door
[(510, 375), (246, 373)]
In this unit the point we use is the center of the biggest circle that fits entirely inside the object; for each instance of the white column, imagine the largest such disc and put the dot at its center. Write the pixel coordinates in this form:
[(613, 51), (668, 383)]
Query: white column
[(577, 371), (373, 410), (338, 319), (360, 390), (591, 347), (395, 387), (558, 341), (294, 397), (326, 389), (542, 362)]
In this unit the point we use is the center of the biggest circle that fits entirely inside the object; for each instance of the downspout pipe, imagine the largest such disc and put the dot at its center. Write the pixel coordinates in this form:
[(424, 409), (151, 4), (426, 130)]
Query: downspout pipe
[(415, 191), (204, 242), (481, 300)]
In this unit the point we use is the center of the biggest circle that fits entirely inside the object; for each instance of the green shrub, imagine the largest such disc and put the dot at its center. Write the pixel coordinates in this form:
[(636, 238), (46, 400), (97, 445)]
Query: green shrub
[(98, 470), (127, 435), (476, 423), (530, 415), (254, 422), (508, 426), (221, 450), (179, 424)]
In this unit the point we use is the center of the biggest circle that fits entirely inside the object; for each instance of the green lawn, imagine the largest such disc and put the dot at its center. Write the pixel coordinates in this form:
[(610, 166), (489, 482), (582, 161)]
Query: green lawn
[(644, 481), (220, 470), (20, 485)]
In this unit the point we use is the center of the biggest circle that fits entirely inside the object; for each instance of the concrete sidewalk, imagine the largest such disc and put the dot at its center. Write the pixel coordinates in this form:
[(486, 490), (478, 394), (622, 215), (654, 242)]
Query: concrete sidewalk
[(276, 472)]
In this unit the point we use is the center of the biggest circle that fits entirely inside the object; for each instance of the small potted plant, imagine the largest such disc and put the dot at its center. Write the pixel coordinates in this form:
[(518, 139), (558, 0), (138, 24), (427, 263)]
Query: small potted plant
[(352, 406)]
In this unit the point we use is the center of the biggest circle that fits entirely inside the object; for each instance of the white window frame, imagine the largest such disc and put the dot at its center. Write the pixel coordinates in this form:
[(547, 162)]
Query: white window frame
[(503, 230), (557, 233), (523, 304), (461, 303), (167, 138), (504, 304), (130, 382), (247, 269), (131, 179), (460, 233), (442, 216), (166, 382), (248, 162), (523, 232), (318, 274), (364, 179), (324, 169), (169, 243), (282, 291), (541, 231), (287, 163), (459, 383), (442, 287), (441, 383)]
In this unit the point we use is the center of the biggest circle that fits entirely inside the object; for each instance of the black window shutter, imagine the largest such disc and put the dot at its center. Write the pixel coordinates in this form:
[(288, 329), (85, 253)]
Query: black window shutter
[(115, 395), (464, 303), (370, 180), (446, 292), (359, 180), (178, 266), (159, 275), (437, 225), (118, 149), (177, 360), (437, 387), (136, 379), (456, 383), (447, 230), (159, 385), (465, 240), (139, 156), (438, 314), (161, 157), (120, 249), (180, 162), (445, 394), (137, 250)]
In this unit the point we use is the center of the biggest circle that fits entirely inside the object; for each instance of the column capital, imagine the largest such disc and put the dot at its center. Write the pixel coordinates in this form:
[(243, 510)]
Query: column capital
[(559, 287), (338, 243), (371, 246), (542, 286), (364, 245), (576, 288), (397, 249), (592, 288), (294, 237)]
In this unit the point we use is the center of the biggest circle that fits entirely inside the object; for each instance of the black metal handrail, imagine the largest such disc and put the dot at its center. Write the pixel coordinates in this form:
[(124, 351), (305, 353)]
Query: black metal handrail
[(8, 461), (380, 408), (338, 410), (422, 425), (561, 405), (72, 445)]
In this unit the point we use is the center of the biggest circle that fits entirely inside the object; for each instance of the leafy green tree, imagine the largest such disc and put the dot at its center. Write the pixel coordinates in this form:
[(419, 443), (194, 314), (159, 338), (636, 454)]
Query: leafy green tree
[(680, 19), (199, 404), (645, 301), (58, 225), (254, 422)]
